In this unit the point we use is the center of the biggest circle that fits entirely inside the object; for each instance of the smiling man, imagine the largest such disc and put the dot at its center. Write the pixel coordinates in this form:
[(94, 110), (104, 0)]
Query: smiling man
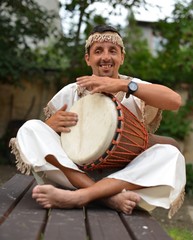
[(155, 178), (105, 59)]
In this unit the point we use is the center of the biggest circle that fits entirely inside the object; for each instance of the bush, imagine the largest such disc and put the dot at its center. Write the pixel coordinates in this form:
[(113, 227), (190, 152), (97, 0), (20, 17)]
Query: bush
[(176, 124), (189, 181), (180, 234)]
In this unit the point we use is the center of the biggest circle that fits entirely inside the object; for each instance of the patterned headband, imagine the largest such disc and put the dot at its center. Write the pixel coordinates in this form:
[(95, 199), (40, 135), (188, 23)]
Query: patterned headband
[(104, 37)]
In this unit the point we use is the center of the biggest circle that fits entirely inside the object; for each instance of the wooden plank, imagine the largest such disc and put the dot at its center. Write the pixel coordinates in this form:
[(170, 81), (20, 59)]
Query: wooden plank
[(66, 224), (22, 218), (11, 192), (26, 221), (142, 226), (105, 224)]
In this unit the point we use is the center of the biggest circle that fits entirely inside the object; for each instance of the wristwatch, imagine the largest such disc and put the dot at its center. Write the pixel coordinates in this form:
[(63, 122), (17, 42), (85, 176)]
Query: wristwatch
[(132, 88)]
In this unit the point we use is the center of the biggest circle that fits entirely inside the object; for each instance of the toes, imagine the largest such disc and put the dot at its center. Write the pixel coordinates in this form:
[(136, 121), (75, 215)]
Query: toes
[(131, 204), (35, 190), (137, 199), (38, 196), (132, 196), (42, 188), (43, 202), (127, 210)]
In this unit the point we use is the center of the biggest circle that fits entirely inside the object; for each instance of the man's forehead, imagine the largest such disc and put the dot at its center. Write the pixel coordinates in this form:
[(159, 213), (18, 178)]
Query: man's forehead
[(106, 37), (102, 45)]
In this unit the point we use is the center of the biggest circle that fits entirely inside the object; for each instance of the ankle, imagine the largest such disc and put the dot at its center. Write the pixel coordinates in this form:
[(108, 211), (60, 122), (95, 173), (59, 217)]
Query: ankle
[(83, 197)]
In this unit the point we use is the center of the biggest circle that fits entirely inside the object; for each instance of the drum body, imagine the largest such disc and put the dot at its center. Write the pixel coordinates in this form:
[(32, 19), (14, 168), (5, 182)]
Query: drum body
[(107, 134)]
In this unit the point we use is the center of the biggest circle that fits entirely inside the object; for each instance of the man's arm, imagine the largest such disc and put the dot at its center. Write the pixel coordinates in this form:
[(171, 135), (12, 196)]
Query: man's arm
[(155, 95)]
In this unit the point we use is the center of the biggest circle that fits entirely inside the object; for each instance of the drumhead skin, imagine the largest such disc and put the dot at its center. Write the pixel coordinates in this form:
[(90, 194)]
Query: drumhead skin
[(95, 129)]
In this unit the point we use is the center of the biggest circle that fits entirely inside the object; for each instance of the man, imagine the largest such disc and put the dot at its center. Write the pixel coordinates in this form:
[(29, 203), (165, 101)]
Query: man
[(155, 178)]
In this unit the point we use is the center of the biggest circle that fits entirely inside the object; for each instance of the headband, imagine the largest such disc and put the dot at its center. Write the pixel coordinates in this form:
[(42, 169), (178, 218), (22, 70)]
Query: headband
[(112, 37)]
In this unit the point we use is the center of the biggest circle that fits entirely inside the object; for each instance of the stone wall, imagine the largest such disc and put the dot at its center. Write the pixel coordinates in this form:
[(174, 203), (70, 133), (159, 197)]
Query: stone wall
[(23, 103)]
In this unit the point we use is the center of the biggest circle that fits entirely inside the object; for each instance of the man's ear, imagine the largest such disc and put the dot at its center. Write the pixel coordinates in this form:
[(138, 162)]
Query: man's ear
[(86, 57), (123, 58)]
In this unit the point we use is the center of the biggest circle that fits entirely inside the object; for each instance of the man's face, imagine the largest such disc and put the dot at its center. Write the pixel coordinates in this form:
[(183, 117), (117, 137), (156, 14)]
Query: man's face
[(105, 59)]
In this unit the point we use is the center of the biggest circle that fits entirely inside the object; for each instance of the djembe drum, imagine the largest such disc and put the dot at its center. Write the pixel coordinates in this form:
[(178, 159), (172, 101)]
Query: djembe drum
[(107, 134)]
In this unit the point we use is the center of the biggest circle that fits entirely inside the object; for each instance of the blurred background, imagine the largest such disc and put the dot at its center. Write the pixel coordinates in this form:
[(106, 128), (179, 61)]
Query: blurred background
[(42, 49)]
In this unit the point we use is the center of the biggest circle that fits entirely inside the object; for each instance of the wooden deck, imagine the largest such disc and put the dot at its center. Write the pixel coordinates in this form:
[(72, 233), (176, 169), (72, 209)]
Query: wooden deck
[(21, 218)]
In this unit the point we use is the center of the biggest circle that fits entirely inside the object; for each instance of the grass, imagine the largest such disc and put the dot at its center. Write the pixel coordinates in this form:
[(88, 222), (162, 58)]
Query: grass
[(180, 234)]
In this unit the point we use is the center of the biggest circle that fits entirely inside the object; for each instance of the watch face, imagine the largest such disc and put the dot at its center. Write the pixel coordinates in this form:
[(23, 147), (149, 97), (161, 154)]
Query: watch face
[(133, 86)]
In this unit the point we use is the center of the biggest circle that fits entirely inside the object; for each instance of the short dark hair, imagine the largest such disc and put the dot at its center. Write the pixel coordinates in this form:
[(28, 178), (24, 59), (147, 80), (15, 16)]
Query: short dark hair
[(104, 28)]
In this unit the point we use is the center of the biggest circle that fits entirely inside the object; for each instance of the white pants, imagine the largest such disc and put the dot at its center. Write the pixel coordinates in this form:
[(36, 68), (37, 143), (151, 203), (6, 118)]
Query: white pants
[(160, 169)]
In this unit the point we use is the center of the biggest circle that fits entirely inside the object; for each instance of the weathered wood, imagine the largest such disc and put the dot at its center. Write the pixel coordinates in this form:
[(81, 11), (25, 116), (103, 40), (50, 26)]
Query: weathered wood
[(142, 225), (105, 224), (11, 193), (26, 221), (22, 218), (66, 224)]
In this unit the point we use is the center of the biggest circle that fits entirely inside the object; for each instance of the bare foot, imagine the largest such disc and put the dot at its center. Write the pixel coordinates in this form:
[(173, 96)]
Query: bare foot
[(49, 196), (124, 202)]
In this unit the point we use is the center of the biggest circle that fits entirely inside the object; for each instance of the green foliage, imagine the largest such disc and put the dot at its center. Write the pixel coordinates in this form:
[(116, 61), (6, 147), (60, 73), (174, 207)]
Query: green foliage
[(51, 57), (138, 57), (189, 182), (175, 60), (21, 20), (176, 124), (23, 24), (180, 234)]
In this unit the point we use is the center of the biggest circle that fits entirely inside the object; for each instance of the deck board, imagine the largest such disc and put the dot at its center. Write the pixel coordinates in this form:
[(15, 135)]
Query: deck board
[(143, 226), (105, 224), (66, 224), (25, 222), (21, 218), (11, 193)]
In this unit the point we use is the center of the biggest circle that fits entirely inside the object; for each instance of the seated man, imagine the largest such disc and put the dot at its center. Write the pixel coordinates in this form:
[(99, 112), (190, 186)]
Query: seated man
[(155, 178)]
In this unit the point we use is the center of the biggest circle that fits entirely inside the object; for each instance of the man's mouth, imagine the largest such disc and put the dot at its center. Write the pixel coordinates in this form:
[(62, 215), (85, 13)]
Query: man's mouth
[(106, 66)]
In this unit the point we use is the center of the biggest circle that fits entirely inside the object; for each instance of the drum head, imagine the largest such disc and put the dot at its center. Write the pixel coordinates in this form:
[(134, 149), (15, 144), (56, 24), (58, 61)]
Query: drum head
[(92, 136)]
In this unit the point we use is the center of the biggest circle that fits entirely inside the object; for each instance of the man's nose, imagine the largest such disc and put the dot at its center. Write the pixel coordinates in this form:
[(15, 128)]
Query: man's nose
[(105, 55)]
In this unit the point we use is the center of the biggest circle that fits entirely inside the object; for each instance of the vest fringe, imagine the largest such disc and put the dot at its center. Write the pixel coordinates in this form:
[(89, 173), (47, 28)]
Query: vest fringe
[(150, 124), (47, 112), (21, 162), (176, 204)]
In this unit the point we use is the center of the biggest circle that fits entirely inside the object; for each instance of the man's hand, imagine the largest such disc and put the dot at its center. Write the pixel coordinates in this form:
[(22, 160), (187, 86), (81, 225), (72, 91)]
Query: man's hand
[(102, 84), (62, 120)]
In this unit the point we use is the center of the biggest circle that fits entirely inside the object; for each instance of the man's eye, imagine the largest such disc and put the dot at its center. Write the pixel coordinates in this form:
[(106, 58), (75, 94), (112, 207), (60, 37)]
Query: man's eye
[(97, 51), (113, 51)]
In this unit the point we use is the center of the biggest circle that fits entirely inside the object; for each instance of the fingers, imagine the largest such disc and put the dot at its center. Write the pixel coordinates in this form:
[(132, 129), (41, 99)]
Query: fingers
[(63, 108), (66, 119), (63, 126), (62, 120), (87, 81), (93, 83), (99, 84)]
